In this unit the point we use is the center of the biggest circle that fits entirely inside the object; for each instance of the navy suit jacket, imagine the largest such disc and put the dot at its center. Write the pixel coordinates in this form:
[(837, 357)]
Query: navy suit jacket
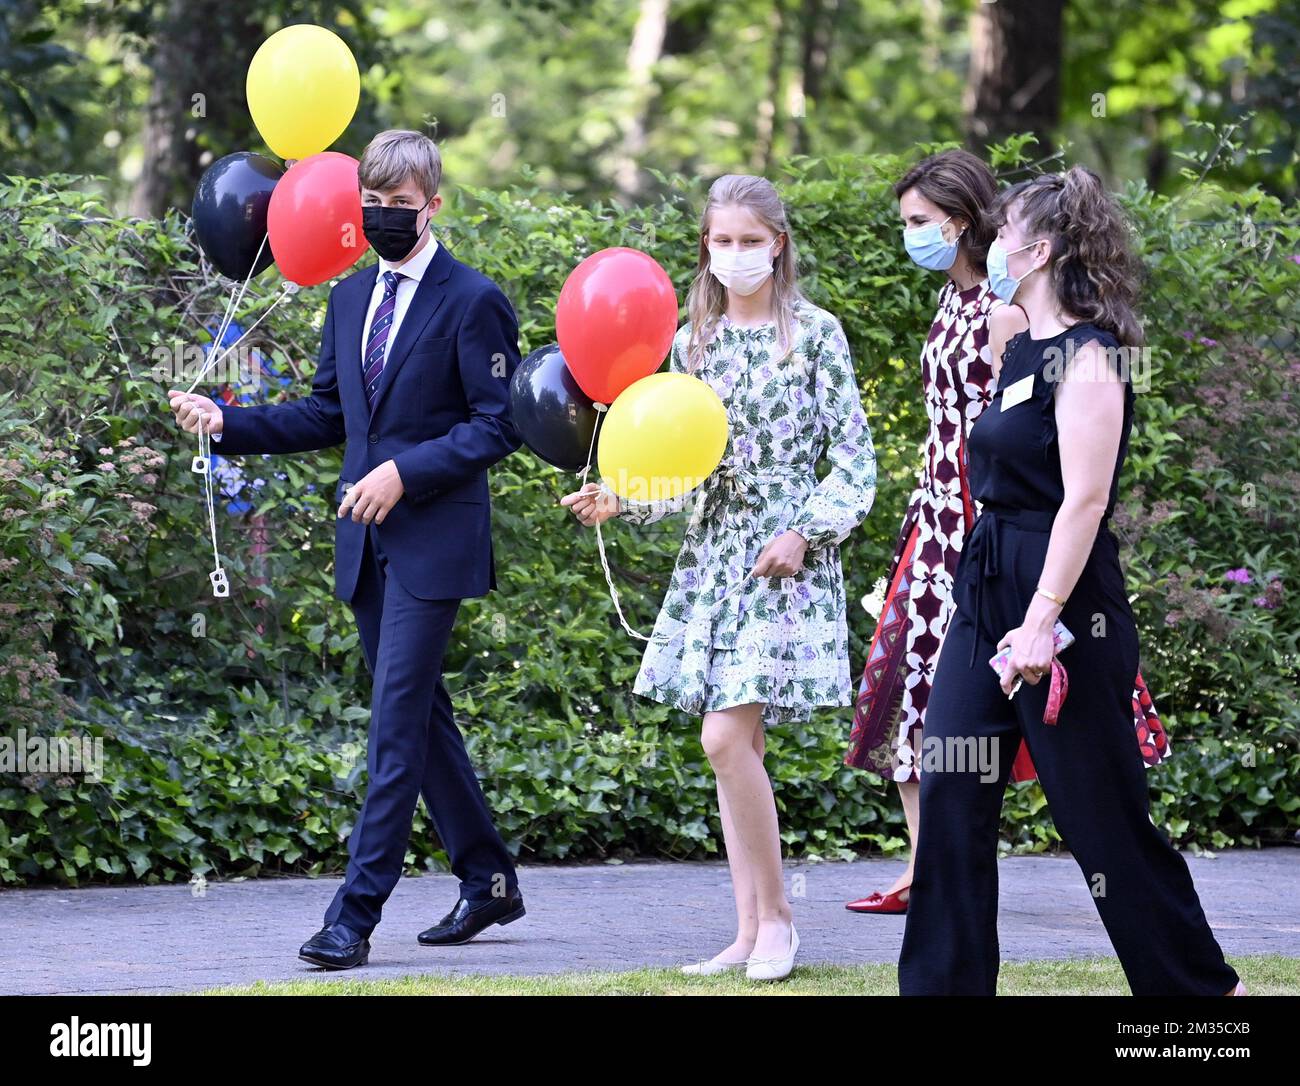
[(442, 414)]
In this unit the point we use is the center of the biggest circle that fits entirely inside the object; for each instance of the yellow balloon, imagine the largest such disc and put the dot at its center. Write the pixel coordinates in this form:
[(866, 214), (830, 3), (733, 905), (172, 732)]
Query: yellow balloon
[(662, 436), (303, 87)]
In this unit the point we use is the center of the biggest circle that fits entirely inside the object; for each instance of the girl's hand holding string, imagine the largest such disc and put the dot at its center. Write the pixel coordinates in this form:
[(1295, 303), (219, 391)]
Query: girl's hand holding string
[(590, 506)]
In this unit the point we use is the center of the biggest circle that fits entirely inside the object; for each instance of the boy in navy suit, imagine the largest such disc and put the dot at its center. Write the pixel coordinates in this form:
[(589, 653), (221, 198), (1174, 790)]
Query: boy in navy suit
[(414, 374)]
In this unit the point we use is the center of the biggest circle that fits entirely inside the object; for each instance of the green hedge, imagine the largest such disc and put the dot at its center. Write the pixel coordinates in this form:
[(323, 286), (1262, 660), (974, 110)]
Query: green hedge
[(234, 730)]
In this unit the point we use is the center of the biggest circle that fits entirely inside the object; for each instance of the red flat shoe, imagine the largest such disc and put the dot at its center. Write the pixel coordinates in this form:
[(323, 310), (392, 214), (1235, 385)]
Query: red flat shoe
[(877, 902)]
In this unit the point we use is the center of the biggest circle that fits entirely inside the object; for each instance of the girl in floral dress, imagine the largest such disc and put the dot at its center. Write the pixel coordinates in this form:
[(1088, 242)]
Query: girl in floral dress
[(753, 630), (942, 201)]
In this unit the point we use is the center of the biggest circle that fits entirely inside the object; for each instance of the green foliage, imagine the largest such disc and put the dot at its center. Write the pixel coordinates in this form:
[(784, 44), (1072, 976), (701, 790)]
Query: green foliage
[(233, 729), (1181, 73), (107, 88)]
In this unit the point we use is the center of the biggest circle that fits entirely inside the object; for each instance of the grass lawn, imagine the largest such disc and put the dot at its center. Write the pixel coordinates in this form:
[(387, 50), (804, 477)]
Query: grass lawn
[(1270, 974)]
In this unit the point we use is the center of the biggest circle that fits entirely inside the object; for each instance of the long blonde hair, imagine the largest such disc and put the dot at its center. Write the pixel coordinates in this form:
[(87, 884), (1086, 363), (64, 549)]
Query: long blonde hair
[(707, 299)]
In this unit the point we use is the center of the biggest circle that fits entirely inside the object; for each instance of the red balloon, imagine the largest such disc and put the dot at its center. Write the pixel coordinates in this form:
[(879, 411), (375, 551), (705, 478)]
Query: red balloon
[(615, 320), (314, 219)]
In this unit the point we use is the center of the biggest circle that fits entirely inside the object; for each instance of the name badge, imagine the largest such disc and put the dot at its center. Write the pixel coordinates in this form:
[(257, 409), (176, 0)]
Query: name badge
[(1018, 392)]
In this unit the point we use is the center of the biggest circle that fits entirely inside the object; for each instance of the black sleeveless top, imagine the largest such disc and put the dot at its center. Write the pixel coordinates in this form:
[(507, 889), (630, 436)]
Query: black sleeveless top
[(1013, 457)]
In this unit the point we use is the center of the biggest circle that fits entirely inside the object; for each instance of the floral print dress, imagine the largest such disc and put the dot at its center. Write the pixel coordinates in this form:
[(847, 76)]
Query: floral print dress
[(723, 638)]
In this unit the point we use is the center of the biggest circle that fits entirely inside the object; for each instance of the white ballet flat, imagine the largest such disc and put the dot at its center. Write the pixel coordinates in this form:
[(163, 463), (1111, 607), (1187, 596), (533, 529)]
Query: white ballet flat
[(774, 968), (708, 968)]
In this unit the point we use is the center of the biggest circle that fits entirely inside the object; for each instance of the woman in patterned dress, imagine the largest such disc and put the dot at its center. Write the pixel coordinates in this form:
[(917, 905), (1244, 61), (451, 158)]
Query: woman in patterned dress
[(942, 201), (753, 629)]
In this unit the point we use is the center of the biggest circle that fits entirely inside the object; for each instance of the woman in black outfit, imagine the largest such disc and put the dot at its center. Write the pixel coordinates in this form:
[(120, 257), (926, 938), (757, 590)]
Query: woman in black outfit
[(1044, 461)]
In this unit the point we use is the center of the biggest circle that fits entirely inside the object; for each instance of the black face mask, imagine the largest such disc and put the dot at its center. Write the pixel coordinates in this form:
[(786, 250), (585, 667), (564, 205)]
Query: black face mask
[(391, 230)]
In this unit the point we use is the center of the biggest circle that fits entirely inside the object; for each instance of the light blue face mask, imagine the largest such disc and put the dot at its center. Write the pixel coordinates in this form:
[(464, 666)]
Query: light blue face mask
[(927, 246), (1002, 282)]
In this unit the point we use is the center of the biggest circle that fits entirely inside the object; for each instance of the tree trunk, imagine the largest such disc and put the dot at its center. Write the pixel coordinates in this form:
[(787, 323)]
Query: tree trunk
[(1015, 71), (817, 19), (199, 50), (642, 56), (765, 136)]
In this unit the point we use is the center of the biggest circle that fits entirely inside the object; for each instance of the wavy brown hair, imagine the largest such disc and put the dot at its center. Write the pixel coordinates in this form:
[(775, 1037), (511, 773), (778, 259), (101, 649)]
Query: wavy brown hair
[(960, 184), (707, 299), (1093, 269)]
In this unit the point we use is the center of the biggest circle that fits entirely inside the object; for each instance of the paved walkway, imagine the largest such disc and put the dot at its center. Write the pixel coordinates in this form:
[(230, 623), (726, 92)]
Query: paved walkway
[(591, 917)]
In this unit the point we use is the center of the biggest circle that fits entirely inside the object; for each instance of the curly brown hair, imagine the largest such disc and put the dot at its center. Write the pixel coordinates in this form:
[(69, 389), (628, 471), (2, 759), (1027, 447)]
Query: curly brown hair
[(1094, 271)]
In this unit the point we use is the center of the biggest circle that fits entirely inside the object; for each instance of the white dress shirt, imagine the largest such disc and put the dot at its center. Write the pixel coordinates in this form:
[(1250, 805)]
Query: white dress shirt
[(413, 270)]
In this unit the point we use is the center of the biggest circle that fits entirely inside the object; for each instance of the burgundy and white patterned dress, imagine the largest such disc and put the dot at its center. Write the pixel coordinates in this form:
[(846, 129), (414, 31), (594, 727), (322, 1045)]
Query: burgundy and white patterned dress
[(889, 714)]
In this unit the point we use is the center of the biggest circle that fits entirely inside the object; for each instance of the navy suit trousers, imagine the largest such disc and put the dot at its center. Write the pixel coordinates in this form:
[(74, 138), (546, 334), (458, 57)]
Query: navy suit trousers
[(415, 748)]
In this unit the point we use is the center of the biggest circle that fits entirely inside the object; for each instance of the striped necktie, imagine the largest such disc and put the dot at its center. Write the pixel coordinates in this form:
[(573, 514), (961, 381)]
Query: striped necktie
[(372, 364)]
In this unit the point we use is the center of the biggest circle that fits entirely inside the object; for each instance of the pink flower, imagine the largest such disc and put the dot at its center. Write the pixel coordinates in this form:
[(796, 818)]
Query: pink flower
[(1241, 576)]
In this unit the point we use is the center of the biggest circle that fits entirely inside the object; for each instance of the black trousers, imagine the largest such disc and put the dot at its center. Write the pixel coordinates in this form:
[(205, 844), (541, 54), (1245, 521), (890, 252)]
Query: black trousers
[(414, 749), (1088, 764)]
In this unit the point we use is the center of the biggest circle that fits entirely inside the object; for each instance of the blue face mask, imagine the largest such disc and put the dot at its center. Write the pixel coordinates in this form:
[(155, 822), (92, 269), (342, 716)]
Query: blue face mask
[(928, 248), (1002, 282)]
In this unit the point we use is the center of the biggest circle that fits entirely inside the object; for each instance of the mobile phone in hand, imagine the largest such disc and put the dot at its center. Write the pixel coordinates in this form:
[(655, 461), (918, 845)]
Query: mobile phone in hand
[(1062, 639)]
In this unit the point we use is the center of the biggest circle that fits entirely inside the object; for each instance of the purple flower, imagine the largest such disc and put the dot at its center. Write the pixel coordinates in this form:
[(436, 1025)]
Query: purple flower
[(1296, 258), (809, 653), (650, 674), (1241, 576), (1264, 601), (1187, 334), (1208, 342), (689, 579)]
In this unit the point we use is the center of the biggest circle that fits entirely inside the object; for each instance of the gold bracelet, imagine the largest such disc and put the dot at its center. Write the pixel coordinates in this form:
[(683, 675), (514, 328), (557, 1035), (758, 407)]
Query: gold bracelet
[(1058, 600)]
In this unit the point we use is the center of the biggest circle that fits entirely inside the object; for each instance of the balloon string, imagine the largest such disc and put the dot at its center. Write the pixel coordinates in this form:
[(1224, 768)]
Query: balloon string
[(236, 294), (243, 336), (205, 451), (604, 560), (203, 464), (227, 318), (600, 542)]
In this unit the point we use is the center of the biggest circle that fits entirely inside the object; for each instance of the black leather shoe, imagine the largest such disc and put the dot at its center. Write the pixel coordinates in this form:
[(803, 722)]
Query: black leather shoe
[(468, 918), (336, 946)]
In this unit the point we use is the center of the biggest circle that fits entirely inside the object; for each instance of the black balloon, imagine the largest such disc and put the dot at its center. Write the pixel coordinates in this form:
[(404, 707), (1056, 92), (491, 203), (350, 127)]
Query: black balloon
[(550, 411), (230, 213)]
